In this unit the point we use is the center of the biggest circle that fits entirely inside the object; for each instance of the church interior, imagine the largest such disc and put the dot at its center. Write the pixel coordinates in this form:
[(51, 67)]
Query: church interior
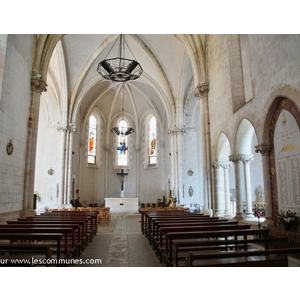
[(206, 123)]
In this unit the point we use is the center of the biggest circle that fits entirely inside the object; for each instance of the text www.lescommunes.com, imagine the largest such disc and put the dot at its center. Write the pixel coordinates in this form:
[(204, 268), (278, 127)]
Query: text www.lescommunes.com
[(49, 261)]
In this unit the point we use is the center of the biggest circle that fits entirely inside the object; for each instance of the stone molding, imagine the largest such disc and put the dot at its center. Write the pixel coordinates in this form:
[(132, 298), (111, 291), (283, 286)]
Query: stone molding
[(176, 130), (219, 164), (201, 90), (263, 149), (245, 158), (37, 84), (71, 128), (66, 128)]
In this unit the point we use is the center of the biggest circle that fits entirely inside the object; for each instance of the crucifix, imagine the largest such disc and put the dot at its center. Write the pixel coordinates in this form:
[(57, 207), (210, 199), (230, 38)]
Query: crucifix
[(122, 174)]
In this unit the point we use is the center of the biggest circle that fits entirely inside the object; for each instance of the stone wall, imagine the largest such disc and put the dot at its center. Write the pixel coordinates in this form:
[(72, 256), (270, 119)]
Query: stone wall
[(14, 112)]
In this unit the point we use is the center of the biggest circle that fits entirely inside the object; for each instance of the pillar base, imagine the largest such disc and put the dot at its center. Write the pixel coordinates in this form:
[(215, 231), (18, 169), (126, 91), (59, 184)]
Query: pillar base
[(239, 217), (27, 213), (207, 211), (249, 217)]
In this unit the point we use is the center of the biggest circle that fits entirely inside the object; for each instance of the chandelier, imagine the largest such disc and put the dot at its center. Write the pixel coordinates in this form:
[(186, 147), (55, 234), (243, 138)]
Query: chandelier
[(122, 130), (120, 69)]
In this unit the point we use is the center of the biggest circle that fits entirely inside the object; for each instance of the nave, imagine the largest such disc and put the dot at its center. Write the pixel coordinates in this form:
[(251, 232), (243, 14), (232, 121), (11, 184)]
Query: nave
[(121, 244)]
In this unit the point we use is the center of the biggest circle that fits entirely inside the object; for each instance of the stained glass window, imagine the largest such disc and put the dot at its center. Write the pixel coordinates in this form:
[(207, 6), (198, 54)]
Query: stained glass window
[(152, 141), (122, 144), (92, 140)]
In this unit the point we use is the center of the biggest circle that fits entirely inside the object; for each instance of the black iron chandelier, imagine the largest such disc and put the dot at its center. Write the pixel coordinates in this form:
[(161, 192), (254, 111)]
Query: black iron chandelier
[(120, 69), (125, 130)]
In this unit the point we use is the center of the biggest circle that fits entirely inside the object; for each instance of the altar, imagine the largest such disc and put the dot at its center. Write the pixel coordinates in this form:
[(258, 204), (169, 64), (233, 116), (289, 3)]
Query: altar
[(122, 205)]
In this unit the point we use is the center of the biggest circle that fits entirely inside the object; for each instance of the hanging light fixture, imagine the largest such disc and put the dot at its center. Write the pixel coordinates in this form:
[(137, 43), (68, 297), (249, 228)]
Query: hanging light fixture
[(120, 69), (122, 130)]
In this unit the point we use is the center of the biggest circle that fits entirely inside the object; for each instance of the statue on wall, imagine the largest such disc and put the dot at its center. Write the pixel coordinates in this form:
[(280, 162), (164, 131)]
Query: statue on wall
[(260, 193), (191, 191)]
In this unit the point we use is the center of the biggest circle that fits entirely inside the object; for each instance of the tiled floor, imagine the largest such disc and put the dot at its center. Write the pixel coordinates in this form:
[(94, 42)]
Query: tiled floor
[(120, 244)]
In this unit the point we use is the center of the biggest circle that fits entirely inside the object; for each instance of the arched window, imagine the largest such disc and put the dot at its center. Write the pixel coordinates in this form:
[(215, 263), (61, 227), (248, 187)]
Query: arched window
[(122, 145), (92, 142), (152, 141)]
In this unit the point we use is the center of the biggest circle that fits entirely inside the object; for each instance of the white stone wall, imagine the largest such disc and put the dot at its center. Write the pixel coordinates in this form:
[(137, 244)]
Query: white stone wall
[(14, 112), (274, 63), (47, 157), (272, 71)]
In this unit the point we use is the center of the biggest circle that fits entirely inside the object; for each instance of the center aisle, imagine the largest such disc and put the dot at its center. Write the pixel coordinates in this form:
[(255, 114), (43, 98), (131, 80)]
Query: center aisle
[(121, 244)]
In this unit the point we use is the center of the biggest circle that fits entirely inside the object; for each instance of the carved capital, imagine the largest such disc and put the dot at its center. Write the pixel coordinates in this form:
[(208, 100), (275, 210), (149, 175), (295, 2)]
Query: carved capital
[(221, 164), (217, 165), (61, 128), (176, 130), (38, 85), (201, 90), (236, 158), (263, 149), (107, 147), (71, 128)]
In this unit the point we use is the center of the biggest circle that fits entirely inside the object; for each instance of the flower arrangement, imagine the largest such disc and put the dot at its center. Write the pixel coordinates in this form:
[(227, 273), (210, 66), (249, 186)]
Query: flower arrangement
[(287, 218)]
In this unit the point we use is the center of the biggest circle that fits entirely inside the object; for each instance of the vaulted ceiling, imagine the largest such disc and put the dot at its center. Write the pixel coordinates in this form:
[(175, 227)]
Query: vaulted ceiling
[(169, 69)]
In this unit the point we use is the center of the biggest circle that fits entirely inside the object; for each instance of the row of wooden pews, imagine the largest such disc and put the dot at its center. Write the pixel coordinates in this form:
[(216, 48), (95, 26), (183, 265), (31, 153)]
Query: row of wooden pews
[(62, 235), (183, 239)]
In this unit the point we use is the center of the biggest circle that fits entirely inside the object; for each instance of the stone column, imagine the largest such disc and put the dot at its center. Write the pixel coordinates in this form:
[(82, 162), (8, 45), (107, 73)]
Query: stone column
[(71, 131), (228, 212), (107, 148), (236, 159), (173, 174), (38, 86), (61, 171), (180, 141), (264, 150), (202, 93), (246, 159), (219, 189), (138, 151)]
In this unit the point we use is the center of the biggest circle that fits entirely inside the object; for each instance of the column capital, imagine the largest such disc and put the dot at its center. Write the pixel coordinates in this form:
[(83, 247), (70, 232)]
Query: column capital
[(106, 147), (221, 164), (217, 165), (71, 128), (61, 128), (37, 84), (263, 149), (245, 158), (176, 130), (201, 90)]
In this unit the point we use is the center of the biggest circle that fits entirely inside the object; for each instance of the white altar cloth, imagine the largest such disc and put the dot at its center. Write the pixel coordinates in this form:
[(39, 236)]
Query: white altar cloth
[(122, 205)]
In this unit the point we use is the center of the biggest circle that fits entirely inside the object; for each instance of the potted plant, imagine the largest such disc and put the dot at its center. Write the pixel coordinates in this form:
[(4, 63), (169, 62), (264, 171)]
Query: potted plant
[(288, 219)]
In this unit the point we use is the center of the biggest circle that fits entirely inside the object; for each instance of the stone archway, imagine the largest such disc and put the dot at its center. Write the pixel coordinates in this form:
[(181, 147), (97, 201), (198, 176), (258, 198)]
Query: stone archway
[(282, 132)]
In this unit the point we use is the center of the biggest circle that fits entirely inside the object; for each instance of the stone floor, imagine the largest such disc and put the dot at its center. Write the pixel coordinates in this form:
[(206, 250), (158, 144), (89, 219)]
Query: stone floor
[(120, 244)]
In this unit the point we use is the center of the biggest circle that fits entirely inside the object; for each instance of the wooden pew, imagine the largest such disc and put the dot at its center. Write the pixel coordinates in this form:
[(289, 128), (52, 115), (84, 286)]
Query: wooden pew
[(87, 219), (78, 226), (73, 241), (45, 237), (156, 221), (92, 214), (148, 222), (253, 258), (160, 224), (20, 249), (183, 249), (161, 243), (146, 213), (216, 234), (66, 231)]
